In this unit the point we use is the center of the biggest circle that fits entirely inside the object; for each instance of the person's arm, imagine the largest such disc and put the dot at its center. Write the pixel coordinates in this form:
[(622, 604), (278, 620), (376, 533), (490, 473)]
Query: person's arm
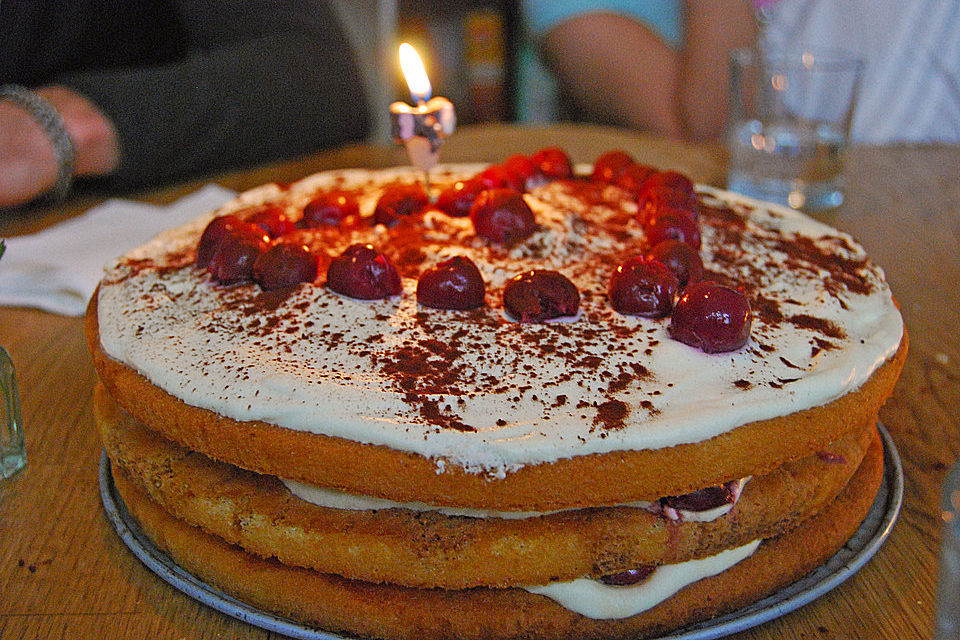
[(263, 81), (621, 72), (713, 29), (28, 166), (275, 96), (616, 70)]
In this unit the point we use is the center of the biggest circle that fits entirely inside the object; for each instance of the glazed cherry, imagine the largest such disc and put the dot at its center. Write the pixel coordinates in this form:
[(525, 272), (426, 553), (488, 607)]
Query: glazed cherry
[(284, 265), (216, 231), (669, 225), (670, 179), (330, 209), (659, 199), (633, 177), (233, 259), (522, 166), (457, 199), (642, 287), (499, 177), (711, 317), (704, 499), (628, 577), (399, 201), (273, 220), (452, 284), (540, 295), (502, 216), (553, 163), (363, 272), (679, 257), (608, 166)]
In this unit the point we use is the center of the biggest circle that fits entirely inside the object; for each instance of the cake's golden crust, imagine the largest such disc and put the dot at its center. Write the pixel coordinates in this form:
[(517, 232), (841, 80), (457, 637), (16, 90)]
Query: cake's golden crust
[(598, 479), (433, 550), (394, 612)]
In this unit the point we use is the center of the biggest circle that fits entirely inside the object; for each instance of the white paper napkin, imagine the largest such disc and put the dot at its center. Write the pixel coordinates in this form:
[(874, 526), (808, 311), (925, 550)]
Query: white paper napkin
[(58, 268)]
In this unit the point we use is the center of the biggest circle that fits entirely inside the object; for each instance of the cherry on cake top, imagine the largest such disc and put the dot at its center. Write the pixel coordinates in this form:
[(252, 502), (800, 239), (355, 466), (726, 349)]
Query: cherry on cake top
[(455, 283), (264, 245)]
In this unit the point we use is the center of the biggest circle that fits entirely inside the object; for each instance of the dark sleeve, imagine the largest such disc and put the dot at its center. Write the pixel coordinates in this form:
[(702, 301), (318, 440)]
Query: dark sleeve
[(237, 97)]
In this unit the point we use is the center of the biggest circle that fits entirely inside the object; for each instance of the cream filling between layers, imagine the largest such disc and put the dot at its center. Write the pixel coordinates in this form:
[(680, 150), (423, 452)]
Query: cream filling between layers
[(332, 499), (312, 370), (587, 597), (596, 600)]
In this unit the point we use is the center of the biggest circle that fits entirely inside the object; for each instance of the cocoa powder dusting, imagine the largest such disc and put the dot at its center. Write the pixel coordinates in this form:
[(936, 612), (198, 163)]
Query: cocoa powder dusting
[(827, 328), (611, 414), (432, 414)]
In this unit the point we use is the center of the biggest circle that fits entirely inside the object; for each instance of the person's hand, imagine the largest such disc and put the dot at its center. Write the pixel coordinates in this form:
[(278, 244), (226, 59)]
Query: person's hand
[(28, 166)]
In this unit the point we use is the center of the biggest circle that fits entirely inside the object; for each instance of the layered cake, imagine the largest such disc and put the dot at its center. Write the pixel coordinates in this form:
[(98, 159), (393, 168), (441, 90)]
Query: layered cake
[(536, 402)]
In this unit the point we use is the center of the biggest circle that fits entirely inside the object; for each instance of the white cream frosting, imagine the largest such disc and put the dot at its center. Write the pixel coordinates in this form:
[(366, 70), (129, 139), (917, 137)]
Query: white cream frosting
[(493, 395), (599, 601)]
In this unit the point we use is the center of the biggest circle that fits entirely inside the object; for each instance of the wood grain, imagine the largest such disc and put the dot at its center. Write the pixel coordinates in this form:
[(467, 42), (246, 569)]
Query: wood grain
[(65, 574)]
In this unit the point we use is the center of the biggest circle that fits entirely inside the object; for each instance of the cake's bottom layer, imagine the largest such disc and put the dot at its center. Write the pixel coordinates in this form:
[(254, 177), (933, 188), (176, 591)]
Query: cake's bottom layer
[(429, 549), (389, 611)]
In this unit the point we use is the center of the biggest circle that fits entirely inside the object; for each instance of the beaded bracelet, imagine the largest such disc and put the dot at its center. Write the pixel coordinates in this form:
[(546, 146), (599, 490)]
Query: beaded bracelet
[(55, 129)]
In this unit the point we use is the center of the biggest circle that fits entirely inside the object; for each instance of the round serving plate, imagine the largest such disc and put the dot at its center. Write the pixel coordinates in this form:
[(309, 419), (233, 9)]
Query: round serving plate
[(843, 564)]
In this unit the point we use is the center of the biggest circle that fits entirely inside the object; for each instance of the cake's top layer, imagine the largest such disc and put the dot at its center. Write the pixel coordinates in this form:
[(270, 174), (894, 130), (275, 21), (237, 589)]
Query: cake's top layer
[(476, 389)]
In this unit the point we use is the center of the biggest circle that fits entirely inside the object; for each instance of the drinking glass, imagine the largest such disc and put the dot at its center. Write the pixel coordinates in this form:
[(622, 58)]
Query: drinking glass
[(13, 454), (790, 115), (948, 592)]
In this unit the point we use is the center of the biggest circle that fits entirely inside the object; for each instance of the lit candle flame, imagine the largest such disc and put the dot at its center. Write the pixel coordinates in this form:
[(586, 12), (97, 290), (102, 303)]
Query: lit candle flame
[(416, 75)]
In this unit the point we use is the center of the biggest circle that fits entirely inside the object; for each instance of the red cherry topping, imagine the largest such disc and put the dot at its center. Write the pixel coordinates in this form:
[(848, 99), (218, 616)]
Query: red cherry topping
[(657, 199), (670, 225), (398, 201), (632, 178), (330, 209), (499, 177), (452, 284), (457, 199), (284, 265), (540, 295), (704, 499), (232, 261), (628, 577), (672, 180), (553, 163), (711, 317), (216, 231), (641, 287), (502, 216), (273, 220), (679, 257), (608, 166), (522, 166), (363, 272)]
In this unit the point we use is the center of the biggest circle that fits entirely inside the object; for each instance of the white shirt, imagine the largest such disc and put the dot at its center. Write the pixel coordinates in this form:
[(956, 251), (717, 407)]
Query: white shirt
[(910, 89)]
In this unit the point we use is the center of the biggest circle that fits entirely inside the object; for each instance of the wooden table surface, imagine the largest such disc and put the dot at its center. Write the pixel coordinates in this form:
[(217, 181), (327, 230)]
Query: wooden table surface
[(65, 573)]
